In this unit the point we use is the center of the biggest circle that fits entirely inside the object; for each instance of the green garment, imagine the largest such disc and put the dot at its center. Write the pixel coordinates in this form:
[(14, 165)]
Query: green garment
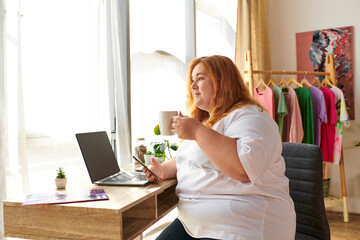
[(280, 106), (305, 103)]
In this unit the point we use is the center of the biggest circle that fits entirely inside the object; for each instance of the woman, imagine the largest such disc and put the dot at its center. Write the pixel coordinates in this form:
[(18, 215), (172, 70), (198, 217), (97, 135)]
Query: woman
[(231, 182)]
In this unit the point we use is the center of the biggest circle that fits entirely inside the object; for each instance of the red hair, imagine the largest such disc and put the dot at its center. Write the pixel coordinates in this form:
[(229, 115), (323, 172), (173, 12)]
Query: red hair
[(230, 91)]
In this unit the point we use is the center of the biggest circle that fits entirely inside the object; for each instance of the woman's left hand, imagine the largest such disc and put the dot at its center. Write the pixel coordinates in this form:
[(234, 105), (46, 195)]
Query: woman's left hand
[(186, 127)]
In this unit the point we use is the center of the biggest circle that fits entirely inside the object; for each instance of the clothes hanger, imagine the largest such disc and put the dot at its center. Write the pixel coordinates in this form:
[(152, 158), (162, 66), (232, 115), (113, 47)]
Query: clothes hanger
[(271, 81), (305, 82), (285, 89), (293, 80), (316, 82), (261, 83), (326, 82), (283, 81)]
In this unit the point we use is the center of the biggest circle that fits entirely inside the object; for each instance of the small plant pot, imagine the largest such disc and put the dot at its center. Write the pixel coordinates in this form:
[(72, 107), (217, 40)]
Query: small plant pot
[(148, 159), (60, 183), (160, 159)]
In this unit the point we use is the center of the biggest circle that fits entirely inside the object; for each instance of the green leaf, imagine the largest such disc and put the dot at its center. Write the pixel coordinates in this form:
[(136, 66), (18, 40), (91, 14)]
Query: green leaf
[(60, 173), (159, 155), (160, 146), (174, 146)]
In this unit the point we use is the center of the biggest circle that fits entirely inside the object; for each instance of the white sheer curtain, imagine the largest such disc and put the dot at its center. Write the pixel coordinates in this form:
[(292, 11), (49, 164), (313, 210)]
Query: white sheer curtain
[(53, 84), (13, 158), (58, 67), (119, 75), (3, 120), (65, 84)]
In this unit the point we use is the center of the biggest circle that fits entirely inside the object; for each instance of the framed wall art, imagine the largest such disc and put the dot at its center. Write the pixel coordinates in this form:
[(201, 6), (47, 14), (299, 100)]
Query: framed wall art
[(312, 48)]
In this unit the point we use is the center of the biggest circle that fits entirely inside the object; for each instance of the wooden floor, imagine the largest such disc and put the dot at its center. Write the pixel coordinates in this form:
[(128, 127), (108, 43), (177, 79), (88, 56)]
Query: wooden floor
[(340, 230)]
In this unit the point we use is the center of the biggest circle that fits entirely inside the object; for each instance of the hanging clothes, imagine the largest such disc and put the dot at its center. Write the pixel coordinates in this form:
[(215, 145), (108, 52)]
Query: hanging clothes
[(266, 99), (328, 129), (342, 121), (280, 107), (305, 103), (319, 112), (293, 129)]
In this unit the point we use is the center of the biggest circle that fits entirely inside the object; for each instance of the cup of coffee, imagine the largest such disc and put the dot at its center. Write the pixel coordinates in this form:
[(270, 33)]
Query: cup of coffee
[(165, 122)]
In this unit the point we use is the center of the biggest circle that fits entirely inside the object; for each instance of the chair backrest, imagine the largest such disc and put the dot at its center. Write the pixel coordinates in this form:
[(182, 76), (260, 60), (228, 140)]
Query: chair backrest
[(304, 168)]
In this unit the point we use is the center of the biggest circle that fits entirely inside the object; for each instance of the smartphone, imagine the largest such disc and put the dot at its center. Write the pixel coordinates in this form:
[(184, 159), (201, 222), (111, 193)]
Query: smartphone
[(139, 161)]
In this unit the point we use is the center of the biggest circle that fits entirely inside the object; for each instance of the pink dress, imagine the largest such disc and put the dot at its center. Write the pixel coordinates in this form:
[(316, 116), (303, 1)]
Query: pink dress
[(266, 99), (293, 129)]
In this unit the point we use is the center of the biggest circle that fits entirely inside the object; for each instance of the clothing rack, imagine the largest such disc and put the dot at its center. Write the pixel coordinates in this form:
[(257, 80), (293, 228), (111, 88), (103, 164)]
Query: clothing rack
[(330, 201)]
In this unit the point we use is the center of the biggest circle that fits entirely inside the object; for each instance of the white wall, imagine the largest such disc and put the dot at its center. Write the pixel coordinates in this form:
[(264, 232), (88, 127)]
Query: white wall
[(288, 17)]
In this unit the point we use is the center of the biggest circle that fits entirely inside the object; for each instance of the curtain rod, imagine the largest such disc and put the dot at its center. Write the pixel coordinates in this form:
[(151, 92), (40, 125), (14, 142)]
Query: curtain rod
[(288, 72)]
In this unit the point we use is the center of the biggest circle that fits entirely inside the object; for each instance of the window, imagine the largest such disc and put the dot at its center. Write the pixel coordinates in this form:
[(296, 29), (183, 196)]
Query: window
[(158, 65), (161, 44), (64, 82), (63, 67), (216, 28)]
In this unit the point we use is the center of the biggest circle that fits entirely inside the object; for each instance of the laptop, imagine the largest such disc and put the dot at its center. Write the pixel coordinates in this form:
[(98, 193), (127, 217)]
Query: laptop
[(101, 162)]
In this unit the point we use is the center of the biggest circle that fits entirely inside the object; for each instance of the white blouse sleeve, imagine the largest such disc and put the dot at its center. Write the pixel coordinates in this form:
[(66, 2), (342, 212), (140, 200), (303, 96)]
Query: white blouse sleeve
[(257, 137)]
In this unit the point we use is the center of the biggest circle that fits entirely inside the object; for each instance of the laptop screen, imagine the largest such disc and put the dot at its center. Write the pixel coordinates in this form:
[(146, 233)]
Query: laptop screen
[(98, 155)]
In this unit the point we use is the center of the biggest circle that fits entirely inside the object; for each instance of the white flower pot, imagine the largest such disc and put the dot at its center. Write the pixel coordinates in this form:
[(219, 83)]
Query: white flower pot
[(148, 159), (60, 183), (160, 159)]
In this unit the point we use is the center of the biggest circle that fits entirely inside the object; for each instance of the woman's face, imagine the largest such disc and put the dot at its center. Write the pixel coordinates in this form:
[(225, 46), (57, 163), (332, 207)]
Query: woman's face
[(202, 88)]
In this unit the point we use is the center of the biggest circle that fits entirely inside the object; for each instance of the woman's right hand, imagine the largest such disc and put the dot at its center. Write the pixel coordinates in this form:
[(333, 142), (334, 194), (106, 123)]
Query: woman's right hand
[(155, 167)]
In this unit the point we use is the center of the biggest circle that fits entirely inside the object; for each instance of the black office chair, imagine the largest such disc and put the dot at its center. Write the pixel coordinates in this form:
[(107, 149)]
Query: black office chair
[(304, 168)]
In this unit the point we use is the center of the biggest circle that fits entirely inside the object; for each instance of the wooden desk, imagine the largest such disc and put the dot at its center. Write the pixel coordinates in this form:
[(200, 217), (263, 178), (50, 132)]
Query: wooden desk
[(129, 212)]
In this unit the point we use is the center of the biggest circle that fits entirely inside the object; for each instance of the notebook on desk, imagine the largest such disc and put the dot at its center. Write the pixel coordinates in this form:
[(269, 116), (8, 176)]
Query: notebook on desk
[(101, 162)]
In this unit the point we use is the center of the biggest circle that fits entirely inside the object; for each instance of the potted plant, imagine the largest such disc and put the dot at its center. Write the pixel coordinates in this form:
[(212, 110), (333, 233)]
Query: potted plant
[(160, 147), (160, 157), (148, 156), (60, 179)]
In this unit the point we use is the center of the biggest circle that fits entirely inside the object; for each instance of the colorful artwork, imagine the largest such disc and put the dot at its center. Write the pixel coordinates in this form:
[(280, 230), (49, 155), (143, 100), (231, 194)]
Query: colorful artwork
[(311, 51)]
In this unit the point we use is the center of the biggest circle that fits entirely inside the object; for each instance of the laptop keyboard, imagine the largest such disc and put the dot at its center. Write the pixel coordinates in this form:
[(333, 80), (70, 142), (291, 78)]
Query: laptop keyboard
[(119, 178), (141, 177)]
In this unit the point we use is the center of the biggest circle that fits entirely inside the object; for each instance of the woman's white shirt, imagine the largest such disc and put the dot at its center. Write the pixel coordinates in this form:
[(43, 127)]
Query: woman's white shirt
[(213, 205)]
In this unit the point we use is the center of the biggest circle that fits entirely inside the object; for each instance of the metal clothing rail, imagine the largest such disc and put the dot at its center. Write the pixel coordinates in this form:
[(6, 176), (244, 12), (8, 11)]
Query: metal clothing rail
[(330, 73)]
